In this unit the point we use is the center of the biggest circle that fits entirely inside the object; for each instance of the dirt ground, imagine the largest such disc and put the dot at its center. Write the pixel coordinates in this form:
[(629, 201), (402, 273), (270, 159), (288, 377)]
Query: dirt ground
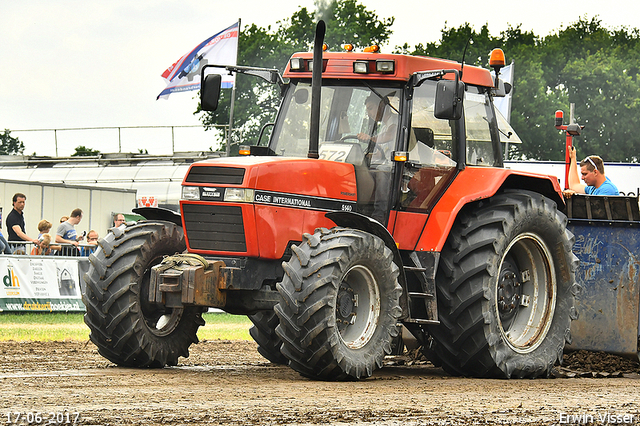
[(228, 382)]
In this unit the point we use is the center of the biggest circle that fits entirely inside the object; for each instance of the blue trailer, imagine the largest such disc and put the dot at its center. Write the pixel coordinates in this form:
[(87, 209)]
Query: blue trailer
[(607, 243)]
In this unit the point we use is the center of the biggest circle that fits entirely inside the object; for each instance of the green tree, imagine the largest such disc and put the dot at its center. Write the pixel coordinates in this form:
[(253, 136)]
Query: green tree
[(83, 151), (587, 64), (256, 101), (10, 145)]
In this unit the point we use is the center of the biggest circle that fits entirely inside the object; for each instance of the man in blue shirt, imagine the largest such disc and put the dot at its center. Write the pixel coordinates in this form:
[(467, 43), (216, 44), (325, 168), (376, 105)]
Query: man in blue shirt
[(592, 171)]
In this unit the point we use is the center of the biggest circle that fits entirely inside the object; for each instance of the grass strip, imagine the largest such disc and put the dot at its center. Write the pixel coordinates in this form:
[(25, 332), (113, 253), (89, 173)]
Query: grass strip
[(59, 327)]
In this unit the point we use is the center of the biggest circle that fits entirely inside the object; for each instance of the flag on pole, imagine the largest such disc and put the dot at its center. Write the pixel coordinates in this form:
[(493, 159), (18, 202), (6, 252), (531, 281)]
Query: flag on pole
[(220, 49)]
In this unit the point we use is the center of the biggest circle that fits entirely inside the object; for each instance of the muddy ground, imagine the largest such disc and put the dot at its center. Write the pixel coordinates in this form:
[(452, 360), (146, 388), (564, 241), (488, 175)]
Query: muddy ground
[(228, 382)]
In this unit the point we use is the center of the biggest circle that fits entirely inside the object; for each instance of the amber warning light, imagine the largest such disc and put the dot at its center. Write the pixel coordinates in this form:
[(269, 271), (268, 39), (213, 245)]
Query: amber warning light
[(496, 60)]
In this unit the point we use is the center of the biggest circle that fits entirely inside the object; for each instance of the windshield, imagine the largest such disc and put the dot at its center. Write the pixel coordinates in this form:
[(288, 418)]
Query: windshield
[(352, 118)]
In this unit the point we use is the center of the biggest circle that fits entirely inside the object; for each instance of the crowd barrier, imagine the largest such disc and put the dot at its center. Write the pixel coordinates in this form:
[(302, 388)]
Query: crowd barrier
[(43, 283)]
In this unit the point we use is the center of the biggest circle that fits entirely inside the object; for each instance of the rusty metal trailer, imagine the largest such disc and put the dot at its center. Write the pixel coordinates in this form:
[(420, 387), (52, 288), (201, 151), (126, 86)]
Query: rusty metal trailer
[(607, 243)]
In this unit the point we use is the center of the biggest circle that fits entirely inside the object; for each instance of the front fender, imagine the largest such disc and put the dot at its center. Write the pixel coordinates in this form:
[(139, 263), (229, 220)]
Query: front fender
[(158, 213), (372, 226)]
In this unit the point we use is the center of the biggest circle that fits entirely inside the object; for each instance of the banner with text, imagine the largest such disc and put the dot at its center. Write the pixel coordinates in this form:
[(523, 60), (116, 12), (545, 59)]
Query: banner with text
[(40, 284)]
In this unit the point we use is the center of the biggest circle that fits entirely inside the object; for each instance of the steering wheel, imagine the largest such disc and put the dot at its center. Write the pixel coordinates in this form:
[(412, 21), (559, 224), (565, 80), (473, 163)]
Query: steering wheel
[(349, 137)]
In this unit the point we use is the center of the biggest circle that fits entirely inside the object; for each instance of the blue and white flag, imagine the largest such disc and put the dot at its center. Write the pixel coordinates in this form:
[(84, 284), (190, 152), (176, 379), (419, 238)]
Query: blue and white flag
[(220, 49)]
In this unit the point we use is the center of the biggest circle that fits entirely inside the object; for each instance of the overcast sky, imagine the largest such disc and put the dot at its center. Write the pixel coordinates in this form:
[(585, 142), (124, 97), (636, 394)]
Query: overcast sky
[(89, 63)]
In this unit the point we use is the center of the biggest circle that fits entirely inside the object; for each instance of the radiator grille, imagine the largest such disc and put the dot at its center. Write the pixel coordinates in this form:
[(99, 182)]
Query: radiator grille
[(213, 227), (214, 174)]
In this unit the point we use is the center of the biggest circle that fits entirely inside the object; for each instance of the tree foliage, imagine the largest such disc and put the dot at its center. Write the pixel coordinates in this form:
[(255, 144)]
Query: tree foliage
[(256, 102), (10, 145), (83, 151), (594, 67), (587, 64)]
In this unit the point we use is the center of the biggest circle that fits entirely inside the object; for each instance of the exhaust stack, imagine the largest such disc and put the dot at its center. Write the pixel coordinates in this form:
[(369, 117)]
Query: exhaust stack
[(316, 86)]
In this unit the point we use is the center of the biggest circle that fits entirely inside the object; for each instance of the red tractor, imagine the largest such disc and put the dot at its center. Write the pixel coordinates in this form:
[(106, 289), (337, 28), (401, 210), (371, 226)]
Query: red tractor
[(379, 201)]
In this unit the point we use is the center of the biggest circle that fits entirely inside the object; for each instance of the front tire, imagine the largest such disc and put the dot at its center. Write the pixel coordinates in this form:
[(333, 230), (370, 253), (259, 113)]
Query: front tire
[(127, 329), (506, 289), (339, 304)]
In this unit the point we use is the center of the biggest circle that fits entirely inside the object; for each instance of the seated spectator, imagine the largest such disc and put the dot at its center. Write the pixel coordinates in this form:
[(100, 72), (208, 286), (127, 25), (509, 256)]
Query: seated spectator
[(64, 219)]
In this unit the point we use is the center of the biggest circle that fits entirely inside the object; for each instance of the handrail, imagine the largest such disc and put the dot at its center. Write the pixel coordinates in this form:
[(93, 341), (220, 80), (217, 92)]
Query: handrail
[(21, 248)]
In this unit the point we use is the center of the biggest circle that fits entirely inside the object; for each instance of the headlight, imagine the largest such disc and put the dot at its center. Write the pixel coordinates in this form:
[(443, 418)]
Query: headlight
[(190, 193), (238, 195), (361, 67)]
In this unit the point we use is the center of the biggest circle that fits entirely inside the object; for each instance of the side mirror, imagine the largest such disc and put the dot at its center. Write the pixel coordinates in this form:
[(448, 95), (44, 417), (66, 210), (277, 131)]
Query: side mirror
[(210, 92), (449, 95)]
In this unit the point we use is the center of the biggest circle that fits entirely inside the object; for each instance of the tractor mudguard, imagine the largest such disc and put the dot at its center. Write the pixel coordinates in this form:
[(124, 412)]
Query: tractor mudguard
[(372, 226), (159, 213), (478, 183)]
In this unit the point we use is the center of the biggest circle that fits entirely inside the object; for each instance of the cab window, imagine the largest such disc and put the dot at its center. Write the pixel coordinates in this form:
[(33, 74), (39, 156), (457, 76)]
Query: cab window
[(477, 116)]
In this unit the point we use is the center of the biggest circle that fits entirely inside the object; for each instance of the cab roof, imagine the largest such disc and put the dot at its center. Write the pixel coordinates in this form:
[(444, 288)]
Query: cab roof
[(340, 65)]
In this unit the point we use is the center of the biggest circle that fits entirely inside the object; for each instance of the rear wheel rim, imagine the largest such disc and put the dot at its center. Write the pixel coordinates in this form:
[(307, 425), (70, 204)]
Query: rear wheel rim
[(526, 293), (357, 307)]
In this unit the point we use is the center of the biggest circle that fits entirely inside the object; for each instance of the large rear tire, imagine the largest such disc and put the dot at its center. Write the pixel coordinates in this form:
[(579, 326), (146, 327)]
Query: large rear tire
[(263, 332), (339, 304), (506, 289), (127, 329)]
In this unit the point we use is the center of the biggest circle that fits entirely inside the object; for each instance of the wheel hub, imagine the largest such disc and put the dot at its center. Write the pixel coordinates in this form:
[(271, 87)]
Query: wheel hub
[(509, 291), (357, 307), (345, 309)]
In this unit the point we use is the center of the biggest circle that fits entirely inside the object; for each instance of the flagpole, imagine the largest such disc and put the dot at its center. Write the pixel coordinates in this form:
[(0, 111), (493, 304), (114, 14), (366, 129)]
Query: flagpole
[(233, 97)]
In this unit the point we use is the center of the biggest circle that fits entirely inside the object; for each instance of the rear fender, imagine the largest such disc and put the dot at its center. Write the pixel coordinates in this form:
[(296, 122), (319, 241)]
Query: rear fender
[(372, 226), (475, 184)]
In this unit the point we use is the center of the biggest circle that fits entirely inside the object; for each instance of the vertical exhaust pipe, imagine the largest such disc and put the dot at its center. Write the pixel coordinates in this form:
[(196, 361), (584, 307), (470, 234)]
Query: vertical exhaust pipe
[(316, 88)]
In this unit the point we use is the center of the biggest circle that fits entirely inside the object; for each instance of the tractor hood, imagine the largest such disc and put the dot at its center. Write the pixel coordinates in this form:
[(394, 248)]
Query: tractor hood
[(278, 175)]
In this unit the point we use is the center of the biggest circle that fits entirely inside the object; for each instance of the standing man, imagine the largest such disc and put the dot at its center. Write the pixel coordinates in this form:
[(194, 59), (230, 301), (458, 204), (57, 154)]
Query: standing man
[(66, 232), (592, 171), (15, 222)]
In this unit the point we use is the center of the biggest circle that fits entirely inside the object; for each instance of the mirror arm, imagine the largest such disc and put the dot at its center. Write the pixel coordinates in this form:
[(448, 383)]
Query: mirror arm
[(270, 75)]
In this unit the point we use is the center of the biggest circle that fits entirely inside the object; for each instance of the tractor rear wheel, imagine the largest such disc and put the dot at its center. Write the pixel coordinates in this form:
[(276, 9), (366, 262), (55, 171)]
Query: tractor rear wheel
[(263, 332), (339, 304), (506, 289), (127, 329)]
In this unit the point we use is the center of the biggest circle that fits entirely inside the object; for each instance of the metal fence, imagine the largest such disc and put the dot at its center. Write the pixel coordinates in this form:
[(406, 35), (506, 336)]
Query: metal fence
[(18, 248), (138, 138)]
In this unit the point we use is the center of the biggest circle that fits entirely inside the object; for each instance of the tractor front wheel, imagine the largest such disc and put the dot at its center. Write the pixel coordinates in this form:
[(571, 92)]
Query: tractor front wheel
[(263, 332), (127, 329), (339, 304)]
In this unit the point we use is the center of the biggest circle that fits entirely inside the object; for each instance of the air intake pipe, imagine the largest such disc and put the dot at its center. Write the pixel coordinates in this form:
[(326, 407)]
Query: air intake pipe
[(316, 90)]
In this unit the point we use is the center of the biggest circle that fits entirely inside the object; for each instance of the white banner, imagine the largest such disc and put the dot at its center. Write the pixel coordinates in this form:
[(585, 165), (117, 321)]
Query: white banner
[(40, 284), (220, 49)]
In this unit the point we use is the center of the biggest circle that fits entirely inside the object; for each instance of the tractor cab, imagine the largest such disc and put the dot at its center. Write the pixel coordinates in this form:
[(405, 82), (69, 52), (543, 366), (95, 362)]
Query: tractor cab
[(407, 124)]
